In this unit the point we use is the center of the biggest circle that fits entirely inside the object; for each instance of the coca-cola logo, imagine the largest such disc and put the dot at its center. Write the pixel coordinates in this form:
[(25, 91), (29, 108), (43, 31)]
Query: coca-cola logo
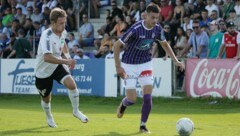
[(218, 79)]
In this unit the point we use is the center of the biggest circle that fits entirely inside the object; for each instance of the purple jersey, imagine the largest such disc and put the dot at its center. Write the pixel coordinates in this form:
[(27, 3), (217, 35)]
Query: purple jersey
[(138, 42)]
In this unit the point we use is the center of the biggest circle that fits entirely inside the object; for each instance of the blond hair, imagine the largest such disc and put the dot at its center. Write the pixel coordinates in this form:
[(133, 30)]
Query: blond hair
[(57, 13)]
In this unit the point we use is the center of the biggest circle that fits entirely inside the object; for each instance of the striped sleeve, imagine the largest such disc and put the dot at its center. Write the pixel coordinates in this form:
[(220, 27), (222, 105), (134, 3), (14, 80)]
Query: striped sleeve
[(127, 36)]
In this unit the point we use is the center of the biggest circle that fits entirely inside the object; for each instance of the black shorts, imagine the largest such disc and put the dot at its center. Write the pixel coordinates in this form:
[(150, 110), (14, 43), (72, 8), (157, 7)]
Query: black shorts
[(44, 85)]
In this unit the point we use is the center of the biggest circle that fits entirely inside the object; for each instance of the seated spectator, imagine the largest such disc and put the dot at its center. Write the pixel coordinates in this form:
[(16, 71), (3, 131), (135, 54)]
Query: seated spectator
[(94, 4), (22, 47), (198, 8), (187, 23), (180, 41), (6, 51), (107, 28), (211, 6), (227, 7), (72, 41), (3, 43), (119, 27), (102, 52), (20, 16), (115, 10), (106, 41), (37, 15), (214, 16), (222, 26), (73, 52), (80, 54), (8, 18), (178, 14), (86, 36), (237, 7), (233, 17), (166, 11), (29, 12), (205, 19)]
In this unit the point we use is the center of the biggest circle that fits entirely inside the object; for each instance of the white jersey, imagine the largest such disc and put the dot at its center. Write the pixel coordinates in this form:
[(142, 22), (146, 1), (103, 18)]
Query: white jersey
[(49, 43)]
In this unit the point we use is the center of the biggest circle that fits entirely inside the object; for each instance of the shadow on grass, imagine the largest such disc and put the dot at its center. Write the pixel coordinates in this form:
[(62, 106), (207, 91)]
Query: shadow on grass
[(118, 134), (31, 131)]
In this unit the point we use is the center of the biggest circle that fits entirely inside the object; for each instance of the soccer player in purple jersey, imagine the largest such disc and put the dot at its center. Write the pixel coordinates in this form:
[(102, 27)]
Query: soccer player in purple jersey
[(136, 61)]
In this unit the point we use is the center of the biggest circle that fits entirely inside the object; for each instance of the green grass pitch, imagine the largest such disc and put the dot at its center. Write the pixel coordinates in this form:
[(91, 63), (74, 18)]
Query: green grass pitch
[(21, 115)]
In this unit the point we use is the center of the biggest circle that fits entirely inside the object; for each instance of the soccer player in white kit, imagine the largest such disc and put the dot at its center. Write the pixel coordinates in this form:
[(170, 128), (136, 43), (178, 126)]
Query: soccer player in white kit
[(136, 61), (51, 66)]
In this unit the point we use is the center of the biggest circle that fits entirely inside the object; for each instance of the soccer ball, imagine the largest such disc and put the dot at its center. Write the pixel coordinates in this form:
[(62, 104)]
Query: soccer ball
[(184, 127)]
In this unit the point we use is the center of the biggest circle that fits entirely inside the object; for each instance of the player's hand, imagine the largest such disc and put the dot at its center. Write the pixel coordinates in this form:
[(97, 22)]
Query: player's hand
[(180, 65), (121, 72), (71, 63)]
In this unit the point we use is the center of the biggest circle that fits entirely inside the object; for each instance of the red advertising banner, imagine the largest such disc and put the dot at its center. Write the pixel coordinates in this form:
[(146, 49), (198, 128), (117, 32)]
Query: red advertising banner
[(213, 77)]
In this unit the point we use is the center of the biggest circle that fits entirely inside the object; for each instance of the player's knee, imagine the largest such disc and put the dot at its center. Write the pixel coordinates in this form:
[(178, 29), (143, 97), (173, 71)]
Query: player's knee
[(46, 99)]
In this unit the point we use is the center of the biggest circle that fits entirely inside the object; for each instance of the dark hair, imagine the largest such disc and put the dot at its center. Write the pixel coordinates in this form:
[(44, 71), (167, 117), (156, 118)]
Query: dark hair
[(72, 34), (195, 21), (152, 8)]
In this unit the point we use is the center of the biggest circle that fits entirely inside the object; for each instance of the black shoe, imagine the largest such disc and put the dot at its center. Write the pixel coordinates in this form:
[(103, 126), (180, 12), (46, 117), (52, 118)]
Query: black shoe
[(143, 129), (120, 110)]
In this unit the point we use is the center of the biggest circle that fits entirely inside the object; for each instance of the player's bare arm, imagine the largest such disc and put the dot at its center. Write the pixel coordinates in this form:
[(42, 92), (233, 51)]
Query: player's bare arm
[(169, 51), (48, 57), (66, 51), (117, 48)]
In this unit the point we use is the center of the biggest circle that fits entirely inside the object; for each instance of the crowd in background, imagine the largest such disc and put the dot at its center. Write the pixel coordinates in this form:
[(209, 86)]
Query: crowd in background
[(193, 28)]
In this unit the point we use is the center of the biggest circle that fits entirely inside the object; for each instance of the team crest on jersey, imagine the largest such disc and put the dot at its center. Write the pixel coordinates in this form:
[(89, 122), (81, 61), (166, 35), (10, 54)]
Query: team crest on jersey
[(145, 44)]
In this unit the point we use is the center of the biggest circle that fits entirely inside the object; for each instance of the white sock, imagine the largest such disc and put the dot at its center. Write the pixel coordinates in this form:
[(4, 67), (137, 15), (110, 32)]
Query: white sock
[(142, 124), (46, 108), (74, 98)]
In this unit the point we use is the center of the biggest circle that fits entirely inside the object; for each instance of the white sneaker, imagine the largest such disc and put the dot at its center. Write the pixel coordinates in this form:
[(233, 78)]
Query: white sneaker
[(80, 116), (51, 123)]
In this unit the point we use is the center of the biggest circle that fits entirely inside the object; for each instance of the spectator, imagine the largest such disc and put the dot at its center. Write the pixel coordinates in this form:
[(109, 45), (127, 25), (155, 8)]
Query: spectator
[(115, 10), (198, 8), (198, 41), (222, 26), (29, 12), (8, 18), (233, 17), (178, 14), (80, 54), (215, 40), (187, 23), (20, 16), (73, 52), (102, 52), (106, 41), (8, 49), (37, 15), (22, 47), (237, 7), (94, 4), (214, 16), (205, 19), (119, 27), (107, 28), (230, 42), (3, 43), (166, 11), (72, 41), (180, 41), (86, 36), (211, 6), (227, 7)]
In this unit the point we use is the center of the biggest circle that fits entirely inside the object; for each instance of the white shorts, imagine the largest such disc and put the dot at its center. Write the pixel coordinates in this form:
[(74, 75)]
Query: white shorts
[(138, 72)]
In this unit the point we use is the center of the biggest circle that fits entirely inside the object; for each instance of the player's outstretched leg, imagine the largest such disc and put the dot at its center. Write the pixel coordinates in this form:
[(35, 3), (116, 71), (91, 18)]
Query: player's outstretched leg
[(146, 108), (74, 98), (47, 109), (122, 107)]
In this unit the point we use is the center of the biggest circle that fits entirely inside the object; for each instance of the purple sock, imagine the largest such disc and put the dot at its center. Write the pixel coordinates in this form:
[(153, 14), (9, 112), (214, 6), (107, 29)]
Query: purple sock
[(146, 107), (126, 102)]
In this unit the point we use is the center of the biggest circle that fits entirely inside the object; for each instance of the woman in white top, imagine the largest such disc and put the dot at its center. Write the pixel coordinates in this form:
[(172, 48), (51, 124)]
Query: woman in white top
[(180, 41)]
